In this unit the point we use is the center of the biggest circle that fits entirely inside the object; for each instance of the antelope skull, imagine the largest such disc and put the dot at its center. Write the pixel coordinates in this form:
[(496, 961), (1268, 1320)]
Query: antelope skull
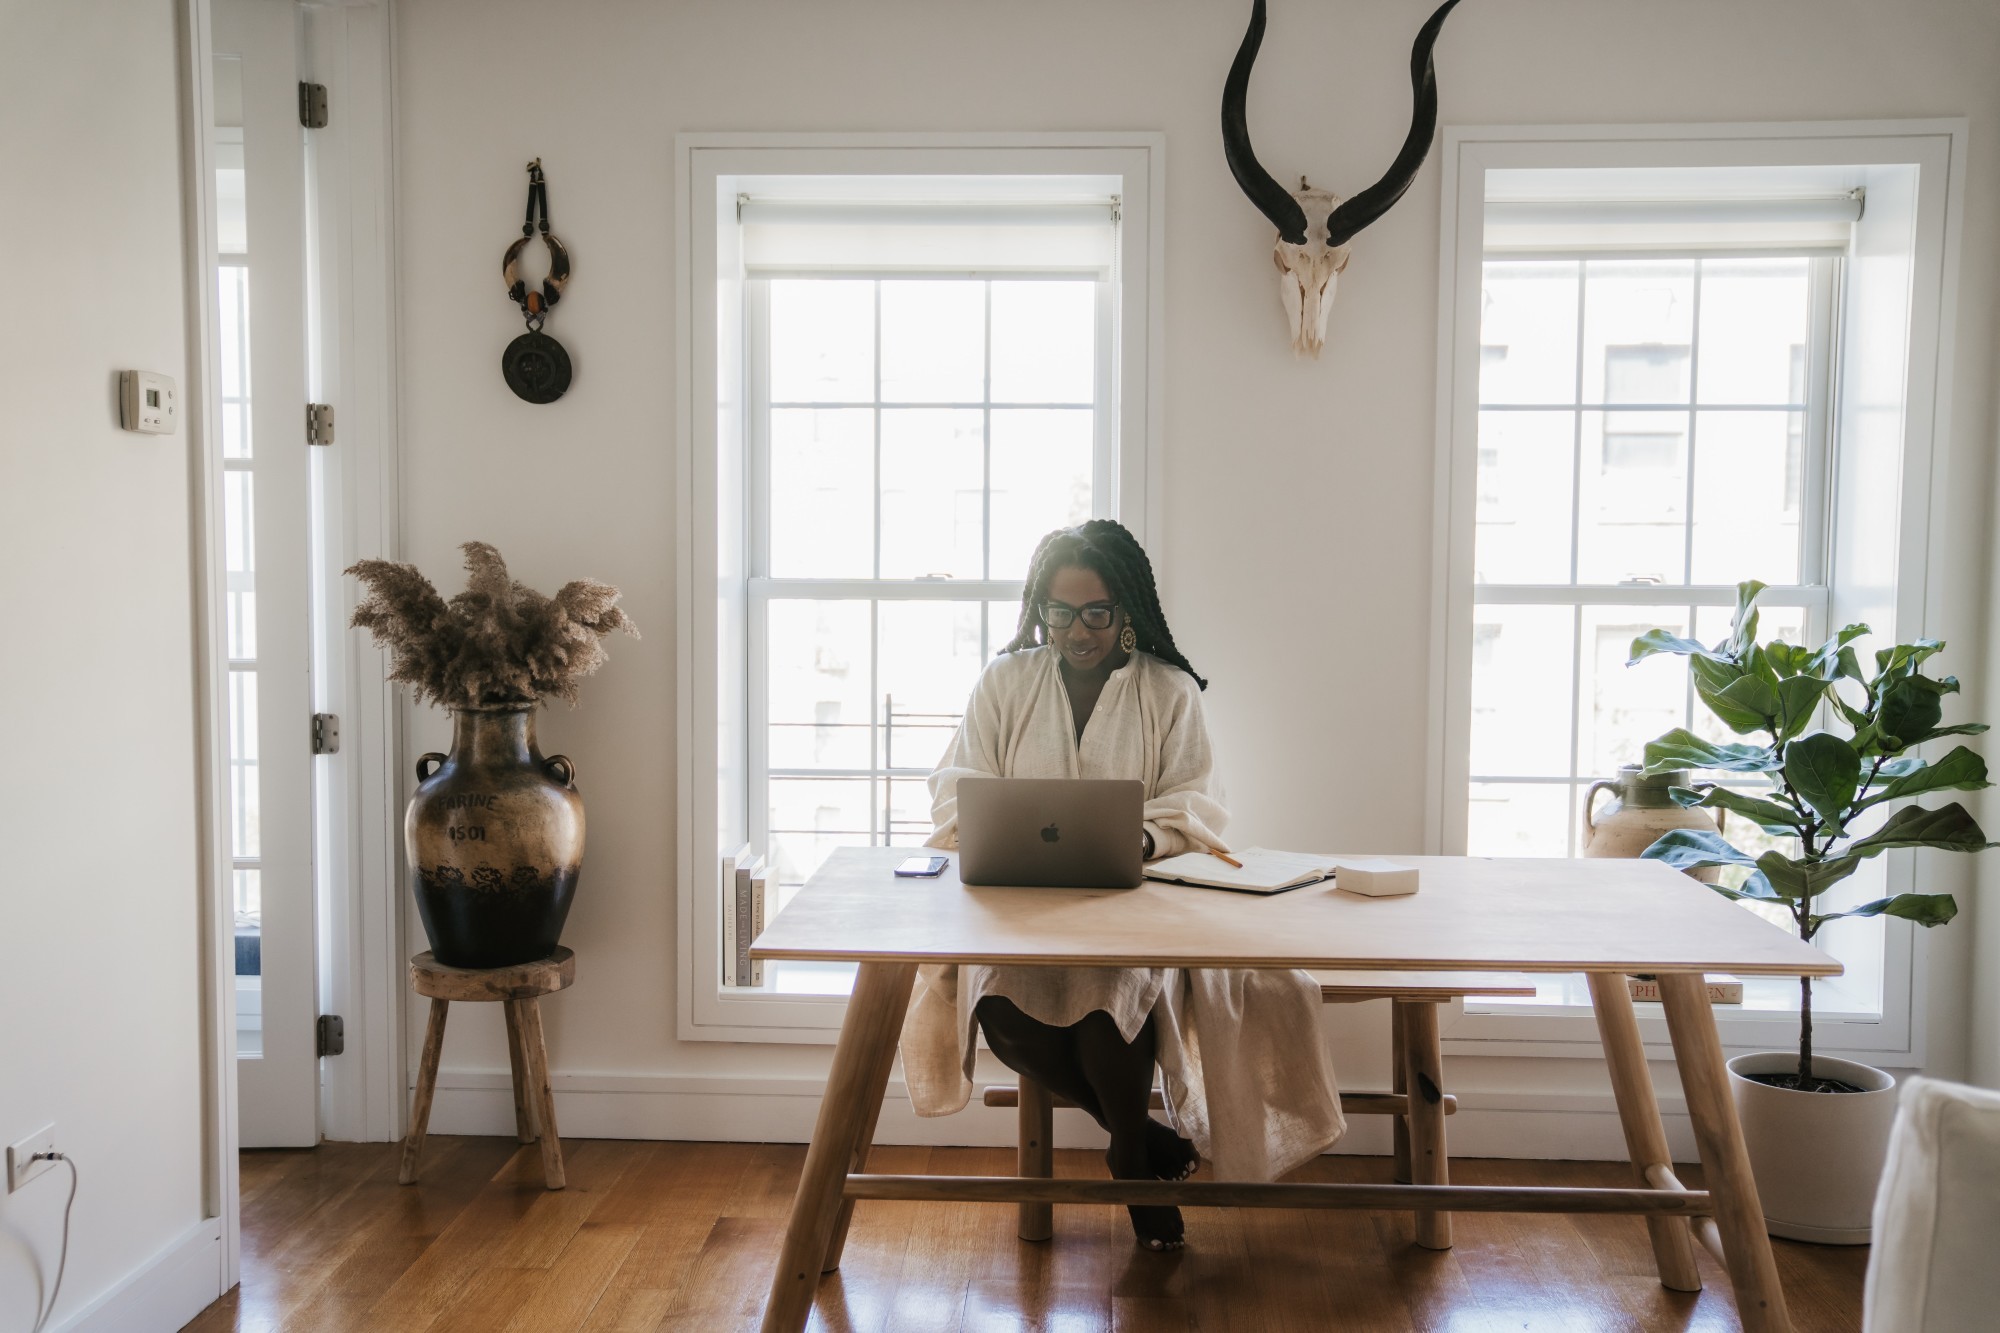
[(1315, 226)]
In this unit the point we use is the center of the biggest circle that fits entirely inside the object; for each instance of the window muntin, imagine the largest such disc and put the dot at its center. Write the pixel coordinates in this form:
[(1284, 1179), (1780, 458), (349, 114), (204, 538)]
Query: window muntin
[(914, 436)]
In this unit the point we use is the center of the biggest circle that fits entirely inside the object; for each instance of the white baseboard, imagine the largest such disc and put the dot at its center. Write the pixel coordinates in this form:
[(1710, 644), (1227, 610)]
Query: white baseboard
[(179, 1283), (1572, 1127)]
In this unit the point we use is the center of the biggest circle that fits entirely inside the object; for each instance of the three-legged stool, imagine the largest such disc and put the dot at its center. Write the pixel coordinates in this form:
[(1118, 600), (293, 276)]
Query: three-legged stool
[(520, 988)]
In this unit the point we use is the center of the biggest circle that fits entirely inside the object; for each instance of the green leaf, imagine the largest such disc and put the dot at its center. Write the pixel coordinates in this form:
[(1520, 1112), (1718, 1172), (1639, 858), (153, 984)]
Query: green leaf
[(1786, 659), (1660, 641), (1961, 770), (1796, 877), (1833, 649), (1694, 849), (1926, 909), (1950, 828), (1748, 893), (1905, 658), (1910, 708), (1961, 729), (1766, 815), (1897, 767), (1825, 770), (1848, 665), (1749, 703), (1743, 625), (1798, 700), (1681, 748)]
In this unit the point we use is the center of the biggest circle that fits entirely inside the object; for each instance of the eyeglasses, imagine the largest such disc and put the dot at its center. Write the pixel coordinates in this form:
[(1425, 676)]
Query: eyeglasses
[(1098, 615)]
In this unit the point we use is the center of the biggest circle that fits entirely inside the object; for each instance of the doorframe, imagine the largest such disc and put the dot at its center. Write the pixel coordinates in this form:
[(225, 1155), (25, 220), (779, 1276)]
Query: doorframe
[(364, 1091)]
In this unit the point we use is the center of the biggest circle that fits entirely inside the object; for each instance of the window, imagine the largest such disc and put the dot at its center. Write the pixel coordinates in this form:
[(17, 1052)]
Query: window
[(1653, 361), (925, 357)]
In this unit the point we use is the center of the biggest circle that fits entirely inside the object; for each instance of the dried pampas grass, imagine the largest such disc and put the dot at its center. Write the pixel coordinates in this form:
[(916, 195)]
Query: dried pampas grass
[(497, 643)]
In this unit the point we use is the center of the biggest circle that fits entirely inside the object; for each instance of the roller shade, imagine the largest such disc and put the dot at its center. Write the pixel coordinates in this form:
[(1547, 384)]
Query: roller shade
[(1785, 223), (793, 235)]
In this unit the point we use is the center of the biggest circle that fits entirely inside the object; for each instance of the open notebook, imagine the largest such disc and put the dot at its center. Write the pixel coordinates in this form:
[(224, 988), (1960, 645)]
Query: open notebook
[(1264, 871)]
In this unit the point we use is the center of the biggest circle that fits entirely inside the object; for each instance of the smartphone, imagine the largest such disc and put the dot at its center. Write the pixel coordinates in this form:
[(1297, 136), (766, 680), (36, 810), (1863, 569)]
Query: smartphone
[(923, 867)]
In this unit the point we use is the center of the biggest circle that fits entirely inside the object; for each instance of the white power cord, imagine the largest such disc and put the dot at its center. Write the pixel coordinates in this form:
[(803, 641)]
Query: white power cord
[(62, 1262)]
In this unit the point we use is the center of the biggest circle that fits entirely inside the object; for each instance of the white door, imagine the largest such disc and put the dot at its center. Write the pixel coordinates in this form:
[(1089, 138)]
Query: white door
[(262, 359)]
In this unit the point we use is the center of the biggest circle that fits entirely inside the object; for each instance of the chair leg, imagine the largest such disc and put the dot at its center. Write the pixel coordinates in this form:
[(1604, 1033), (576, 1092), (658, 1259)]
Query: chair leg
[(529, 1014), (1399, 1082), (524, 1105), (427, 1077), (1037, 1156), (1429, 1163)]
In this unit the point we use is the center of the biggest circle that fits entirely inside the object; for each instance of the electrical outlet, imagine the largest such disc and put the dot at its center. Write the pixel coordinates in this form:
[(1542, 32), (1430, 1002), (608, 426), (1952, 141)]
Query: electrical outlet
[(21, 1166)]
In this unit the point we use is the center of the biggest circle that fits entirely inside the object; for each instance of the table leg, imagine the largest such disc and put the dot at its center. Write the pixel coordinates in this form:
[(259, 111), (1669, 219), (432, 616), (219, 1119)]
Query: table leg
[(1423, 1061), (1037, 1156), (874, 1020), (524, 1105), (535, 1053), (1639, 1114), (1399, 1082), (1739, 1214), (427, 1077), (873, 1087)]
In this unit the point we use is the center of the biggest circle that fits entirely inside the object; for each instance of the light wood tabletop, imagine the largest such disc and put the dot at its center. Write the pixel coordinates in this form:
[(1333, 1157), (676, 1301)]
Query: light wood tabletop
[(1471, 914), (1472, 917)]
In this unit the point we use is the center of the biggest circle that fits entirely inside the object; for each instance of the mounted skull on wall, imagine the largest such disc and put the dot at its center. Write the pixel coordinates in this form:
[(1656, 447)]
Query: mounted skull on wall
[(1315, 226)]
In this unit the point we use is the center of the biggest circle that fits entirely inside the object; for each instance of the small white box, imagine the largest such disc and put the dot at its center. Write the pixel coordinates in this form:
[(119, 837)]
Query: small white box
[(1375, 877), (146, 402)]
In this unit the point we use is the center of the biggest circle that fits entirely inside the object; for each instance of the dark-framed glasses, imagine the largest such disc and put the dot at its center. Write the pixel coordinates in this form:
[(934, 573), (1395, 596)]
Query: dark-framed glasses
[(1098, 615)]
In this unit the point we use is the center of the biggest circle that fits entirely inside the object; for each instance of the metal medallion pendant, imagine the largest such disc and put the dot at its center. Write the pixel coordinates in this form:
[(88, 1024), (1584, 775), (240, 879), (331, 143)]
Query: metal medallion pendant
[(536, 367)]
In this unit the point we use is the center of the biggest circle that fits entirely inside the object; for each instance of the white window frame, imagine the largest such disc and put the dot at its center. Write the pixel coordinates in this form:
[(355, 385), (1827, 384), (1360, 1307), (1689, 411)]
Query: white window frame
[(713, 506), (1916, 228)]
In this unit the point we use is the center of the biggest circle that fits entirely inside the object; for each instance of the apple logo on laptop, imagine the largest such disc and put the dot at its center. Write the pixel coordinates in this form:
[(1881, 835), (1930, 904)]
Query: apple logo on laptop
[(1051, 834)]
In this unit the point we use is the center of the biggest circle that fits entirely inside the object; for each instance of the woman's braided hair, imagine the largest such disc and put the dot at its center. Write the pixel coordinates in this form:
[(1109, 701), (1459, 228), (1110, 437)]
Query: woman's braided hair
[(1103, 546)]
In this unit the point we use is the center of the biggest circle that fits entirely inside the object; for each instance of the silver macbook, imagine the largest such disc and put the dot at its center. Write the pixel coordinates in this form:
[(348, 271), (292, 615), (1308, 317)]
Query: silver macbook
[(1070, 833)]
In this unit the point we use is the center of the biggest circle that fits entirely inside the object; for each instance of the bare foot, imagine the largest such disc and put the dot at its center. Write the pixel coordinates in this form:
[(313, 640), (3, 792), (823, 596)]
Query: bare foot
[(1172, 1157)]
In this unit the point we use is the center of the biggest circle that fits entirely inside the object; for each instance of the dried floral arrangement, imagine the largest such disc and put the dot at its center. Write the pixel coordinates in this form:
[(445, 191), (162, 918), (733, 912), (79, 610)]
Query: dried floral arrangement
[(498, 643)]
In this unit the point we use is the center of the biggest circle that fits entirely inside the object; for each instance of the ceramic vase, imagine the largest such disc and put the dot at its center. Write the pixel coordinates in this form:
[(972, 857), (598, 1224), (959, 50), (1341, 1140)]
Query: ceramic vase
[(1638, 813), (1817, 1156), (495, 838)]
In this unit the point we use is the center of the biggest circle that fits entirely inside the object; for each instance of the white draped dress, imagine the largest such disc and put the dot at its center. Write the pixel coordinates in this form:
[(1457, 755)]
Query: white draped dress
[(1243, 1061)]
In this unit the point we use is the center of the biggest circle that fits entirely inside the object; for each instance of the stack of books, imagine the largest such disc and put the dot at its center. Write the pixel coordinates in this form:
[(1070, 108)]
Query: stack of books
[(746, 879)]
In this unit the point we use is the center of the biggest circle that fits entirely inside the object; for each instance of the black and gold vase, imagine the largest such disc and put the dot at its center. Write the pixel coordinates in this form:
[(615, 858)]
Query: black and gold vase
[(495, 836)]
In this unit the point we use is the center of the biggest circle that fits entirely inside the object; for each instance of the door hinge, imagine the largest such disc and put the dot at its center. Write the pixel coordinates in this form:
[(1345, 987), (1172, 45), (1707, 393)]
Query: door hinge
[(326, 733), (332, 1034), (319, 423), (312, 105)]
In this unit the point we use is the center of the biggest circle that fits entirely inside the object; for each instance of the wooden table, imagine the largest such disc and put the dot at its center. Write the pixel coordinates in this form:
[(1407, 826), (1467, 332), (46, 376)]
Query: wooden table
[(1601, 917)]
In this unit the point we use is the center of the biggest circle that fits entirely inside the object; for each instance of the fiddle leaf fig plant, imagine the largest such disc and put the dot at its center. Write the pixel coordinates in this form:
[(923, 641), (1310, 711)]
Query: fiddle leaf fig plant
[(1819, 793)]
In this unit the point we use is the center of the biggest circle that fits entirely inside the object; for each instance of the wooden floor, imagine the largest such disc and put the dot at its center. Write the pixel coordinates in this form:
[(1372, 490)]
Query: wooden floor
[(682, 1236)]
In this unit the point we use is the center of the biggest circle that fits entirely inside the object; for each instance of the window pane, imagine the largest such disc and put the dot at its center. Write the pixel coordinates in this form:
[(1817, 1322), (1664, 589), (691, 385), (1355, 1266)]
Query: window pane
[(1754, 315), (929, 659), (1527, 332), (1517, 819), (933, 342), (1523, 661), (1633, 498), (1002, 620), (1620, 708), (1526, 466), (822, 341), (1638, 325), (819, 685), (1747, 484), (932, 479), (1044, 339), (821, 806), (233, 362), (1041, 481), (822, 493), (243, 803)]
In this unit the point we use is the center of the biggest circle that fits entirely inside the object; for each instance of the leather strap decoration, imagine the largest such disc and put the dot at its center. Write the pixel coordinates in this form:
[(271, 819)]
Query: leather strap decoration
[(536, 366)]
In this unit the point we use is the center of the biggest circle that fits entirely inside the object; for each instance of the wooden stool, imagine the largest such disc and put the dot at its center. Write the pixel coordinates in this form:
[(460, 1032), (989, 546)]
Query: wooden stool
[(520, 988), (1416, 1098)]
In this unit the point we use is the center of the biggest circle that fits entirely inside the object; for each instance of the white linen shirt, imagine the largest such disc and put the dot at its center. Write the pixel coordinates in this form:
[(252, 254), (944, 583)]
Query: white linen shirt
[(1245, 1068)]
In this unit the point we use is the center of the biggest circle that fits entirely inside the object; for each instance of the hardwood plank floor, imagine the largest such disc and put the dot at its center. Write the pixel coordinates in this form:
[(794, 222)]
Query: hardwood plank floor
[(682, 1236)]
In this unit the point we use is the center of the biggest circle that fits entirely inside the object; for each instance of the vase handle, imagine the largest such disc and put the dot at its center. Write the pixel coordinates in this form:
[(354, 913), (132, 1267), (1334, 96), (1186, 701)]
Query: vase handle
[(1590, 799), (423, 759), (564, 770)]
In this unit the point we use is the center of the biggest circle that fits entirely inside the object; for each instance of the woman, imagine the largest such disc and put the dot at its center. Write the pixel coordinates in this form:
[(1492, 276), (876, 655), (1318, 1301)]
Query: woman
[(1092, 686)]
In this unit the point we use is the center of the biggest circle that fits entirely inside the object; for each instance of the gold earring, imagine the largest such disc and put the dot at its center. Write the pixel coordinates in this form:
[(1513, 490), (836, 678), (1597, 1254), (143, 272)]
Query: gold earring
[(1127, 638)]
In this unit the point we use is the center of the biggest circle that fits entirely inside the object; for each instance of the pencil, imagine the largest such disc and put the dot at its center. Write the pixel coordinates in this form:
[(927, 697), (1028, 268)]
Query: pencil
[(1225, 857)]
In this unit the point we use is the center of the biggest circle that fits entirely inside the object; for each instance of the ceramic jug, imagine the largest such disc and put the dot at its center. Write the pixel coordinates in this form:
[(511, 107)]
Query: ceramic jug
[(1639, 812)]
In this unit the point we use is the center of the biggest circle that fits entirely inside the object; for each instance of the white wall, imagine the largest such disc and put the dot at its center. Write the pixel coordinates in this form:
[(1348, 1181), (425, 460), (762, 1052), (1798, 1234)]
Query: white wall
[(100, 993), (1295, 555)]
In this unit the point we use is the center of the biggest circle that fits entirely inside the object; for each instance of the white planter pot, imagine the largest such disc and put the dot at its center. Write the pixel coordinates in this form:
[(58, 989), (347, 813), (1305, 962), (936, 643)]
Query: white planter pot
[(1817, 1155)]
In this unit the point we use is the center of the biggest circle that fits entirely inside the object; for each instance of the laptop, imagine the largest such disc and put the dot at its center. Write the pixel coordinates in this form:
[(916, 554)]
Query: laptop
[(1069, 833)]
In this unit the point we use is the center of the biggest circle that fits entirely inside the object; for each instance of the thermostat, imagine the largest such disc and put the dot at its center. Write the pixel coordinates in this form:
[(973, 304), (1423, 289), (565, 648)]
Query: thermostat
[(146, 402)]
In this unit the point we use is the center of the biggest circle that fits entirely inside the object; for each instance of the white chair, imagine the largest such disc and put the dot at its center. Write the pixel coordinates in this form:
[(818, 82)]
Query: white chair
[(1937, 1215)]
